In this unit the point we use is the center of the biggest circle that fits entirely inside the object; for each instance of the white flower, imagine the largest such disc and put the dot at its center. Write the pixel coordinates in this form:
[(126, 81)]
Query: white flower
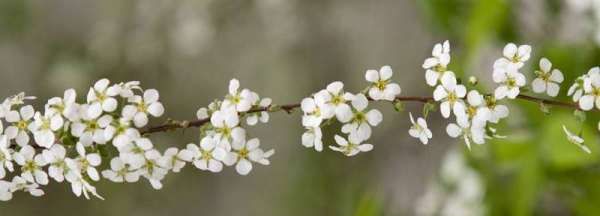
[(5, 156), (208, 156), (476, 110), (120, 132), (313, 138), (262, 116), (315, 111), (101, 98), (241, 100), (90, 129), (55, 156), (359, 122), (20, 124), (246, 152), (152, 169), (332, 101), (18, 183), (142, 107), (19, 99), (64, 106), (382, 89), (496, 111), (126, 89), (577, 140), (5, 193), (43, 128), (87, 163), (78, 184), (468, 132), (591, 87), (419, 129), (31, 165), (437, 65), (511, 80), (225, 123), (576, 90), (547, 80), (133, 153), (174, 160), (450, 94), (517, 55), (350, 147), (119, 172)]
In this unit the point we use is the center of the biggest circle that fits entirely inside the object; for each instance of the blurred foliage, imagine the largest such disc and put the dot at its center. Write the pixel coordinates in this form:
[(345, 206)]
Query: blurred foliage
[(539, 172)]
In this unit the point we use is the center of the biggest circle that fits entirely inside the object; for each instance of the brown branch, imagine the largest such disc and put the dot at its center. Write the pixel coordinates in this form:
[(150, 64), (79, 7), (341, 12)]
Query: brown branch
[(289, 108)]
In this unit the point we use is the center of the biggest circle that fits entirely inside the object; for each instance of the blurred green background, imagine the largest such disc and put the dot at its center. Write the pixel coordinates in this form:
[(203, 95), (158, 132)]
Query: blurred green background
[(287, 49)]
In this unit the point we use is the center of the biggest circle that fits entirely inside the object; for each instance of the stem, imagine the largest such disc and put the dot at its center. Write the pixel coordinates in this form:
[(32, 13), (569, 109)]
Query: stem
[(289, 108)]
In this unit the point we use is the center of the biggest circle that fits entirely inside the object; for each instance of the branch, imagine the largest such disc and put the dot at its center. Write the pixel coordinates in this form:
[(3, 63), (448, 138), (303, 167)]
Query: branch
[(289, 108)]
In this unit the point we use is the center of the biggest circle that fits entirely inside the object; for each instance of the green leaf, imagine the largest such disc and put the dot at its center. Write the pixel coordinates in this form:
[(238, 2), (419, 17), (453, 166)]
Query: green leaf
[(399, 106), (579, 115)]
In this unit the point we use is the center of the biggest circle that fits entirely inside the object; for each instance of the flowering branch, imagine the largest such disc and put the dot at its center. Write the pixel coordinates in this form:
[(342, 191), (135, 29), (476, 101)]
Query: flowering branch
[(289, 108), (108, 131)]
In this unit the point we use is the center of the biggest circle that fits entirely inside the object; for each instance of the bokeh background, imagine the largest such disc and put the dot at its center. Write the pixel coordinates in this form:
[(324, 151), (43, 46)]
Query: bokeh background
[(287, 49)]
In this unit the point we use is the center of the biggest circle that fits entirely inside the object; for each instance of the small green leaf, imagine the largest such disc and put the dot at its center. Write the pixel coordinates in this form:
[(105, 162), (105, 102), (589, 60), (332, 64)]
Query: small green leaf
[(544, 108), (399, 106), (428, 107), (579, 115)]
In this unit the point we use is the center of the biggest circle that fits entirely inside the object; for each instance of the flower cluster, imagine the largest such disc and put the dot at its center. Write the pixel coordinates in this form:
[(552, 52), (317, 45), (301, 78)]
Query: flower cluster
[(472, 110), (333, 103), (225, 138)]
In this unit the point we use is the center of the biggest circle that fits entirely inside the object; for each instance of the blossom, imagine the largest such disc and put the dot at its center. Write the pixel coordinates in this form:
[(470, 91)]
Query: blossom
[(315, 112), (19, 183), (153, 169), (87, 163), (120, 132), (174, 160), (351, 146), (133, 153), (496, 111), (208, 156), (381, 88), (517, 55), (31, 165), (119, 172), (55, 156), (547, 80), (79, 185), (43, 128), (5, 157), (333, 101), (101, 98), (591, 88), (126, 90), (141, 107), (241, 100), (467, 131), (225, 122), (313, 138), (5, 193), (20, 124), (511, 80), (90, 129), (450, 94), (436, 66), (419, 129), (577, 140), (262, 116), (359, 123), (64, 106), (246, 152), (476, 110)]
